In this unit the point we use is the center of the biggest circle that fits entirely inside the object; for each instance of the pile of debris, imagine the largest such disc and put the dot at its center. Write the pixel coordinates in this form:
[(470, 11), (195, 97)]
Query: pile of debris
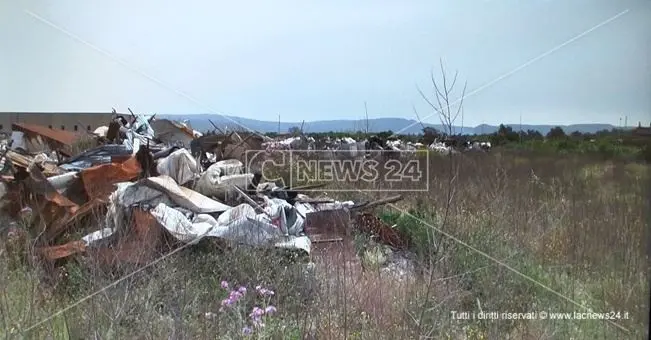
[(145, 186)]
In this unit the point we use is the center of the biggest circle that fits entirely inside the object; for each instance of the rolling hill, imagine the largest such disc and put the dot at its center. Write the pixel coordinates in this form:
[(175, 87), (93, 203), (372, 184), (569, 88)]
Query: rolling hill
[(201, 122)]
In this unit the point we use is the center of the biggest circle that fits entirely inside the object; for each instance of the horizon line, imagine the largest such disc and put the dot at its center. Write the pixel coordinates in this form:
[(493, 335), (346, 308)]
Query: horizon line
[(313, 121)]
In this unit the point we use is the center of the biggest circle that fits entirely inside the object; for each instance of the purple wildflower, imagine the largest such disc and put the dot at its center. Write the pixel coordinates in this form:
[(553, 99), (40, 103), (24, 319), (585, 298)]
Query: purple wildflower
[(227, 302), (247, 330), (235, 295), (242, 290), (232, 298), (266, 292), (256, 316), (257, 312), (270, 310), (224, 284)]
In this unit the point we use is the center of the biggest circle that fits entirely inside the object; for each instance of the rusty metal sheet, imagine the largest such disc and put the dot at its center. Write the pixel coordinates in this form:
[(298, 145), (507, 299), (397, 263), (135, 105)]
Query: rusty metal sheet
[(370, 223), (139, 244), (99, 180), (332, 240), (61, 251), (64, 223), (39, 185), (60, 136)]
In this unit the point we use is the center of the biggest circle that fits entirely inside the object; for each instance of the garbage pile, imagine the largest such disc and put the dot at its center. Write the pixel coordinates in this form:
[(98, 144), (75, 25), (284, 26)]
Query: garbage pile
[(146, 185)]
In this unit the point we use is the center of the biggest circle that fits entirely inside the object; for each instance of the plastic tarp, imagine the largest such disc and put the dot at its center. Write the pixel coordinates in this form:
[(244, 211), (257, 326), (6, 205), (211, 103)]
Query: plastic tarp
[(134, 141), (97, 236), (278, 226), (353, 147), (180, 165), (240, 224), (306, 208), (228, 167), (139, 133), (141, 125), (184, 197), (100, 155), (101, 131), (170, 132), (220, 179), (224, 186)]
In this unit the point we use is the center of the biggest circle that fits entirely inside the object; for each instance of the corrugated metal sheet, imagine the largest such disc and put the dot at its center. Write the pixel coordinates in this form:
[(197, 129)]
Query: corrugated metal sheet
[(61, 136)]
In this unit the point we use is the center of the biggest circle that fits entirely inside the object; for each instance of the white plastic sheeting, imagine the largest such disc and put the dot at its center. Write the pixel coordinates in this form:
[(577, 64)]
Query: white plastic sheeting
[(101, 131), (171, 132), (221, 178), (189, 215), (227, 167), (240, 224), (139, 133), (184, 197), (135, 140), (222, 187), (180, 165), (277, 226), (97, 235), (440, 147), (306, 208)]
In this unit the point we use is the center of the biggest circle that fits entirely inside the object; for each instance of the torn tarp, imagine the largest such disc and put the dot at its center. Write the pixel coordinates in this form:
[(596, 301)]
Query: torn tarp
[(180, 165), (187, 215), (221, 178), (103, 154)]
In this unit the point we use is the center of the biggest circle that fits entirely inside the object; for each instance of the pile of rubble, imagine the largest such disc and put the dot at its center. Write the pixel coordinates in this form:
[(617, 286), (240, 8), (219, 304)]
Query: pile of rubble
[(146, 185)]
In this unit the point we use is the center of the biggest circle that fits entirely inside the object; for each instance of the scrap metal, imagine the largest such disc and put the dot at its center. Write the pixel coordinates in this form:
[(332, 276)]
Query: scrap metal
[(131, 189), (59, 140)]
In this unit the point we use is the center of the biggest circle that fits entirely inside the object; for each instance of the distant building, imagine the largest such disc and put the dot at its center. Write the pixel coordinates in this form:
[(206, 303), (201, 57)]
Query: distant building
[(642, 131), (69, 121)]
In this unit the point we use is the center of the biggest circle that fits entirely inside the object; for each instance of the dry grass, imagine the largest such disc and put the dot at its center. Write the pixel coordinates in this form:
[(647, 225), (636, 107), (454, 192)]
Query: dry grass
[(576, 226)]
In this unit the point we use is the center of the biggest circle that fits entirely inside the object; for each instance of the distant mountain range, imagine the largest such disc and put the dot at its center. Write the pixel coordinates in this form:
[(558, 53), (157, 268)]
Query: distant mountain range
[(201, 122)]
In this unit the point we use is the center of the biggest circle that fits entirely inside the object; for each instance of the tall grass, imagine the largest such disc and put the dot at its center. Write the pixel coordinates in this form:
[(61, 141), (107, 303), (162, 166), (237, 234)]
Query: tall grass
[(570, 225)]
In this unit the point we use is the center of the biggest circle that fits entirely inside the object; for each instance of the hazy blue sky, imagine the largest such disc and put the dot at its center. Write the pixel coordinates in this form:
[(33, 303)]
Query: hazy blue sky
[(319, 60)]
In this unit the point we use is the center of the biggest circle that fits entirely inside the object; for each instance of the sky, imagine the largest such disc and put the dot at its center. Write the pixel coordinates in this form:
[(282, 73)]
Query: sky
[(322, 60)]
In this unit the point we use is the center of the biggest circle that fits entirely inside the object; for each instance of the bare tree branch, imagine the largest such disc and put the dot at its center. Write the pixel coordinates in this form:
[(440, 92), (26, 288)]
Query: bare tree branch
[(447, 117)]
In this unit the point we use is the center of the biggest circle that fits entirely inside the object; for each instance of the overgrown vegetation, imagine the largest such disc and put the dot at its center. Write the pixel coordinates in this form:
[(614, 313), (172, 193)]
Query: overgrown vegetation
[(571, 224)]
